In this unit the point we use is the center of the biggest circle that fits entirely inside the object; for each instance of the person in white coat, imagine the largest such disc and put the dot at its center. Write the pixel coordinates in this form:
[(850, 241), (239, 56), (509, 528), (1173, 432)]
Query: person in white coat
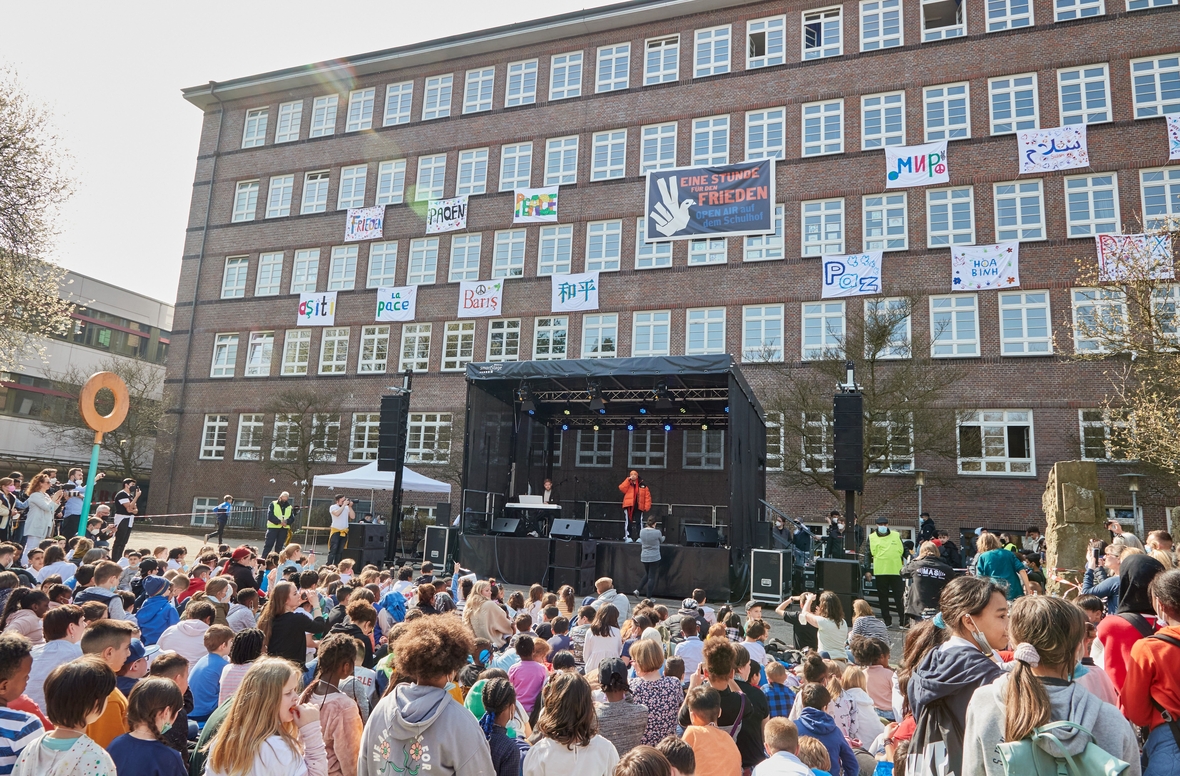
[(569, 743), (42, 506)]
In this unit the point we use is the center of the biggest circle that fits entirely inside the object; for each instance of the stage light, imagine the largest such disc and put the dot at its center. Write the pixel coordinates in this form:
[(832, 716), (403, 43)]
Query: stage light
[(596, 402), (663, 396), (727, 409), (602, 411), (631, 425), (705, 426), (565, 426), (524, 395), (667, 426), (566, 411), (595, 426), (643, 410), (683, 410)]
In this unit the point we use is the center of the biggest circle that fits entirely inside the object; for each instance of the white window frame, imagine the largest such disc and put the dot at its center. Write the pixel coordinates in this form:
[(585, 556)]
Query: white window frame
[(951, 200), (465, 257), (399, 103), (516, 166), (1083, 80), (423, 266), (561, 161), (360, 109), (604, 246), (306, 271), (315, 192), (1102, 420), (478, 87), (887, 24), (766, 134), (711, 250), (382, 270), (996, 465), (251, 432), (323, 115), (245, 201), (508, 253), (269, 281), (522, 83), (884, 112), (766, 247), (233, 277), (954, 326), (214, 436), (820, 119), (822, 329), (391, 182), (1026, 323), (891, 446), (437, 101), (704, 326), (882, 213), (1008, 14), (296, 352), (473, 172), (647, 448), (458, 345), (1145, 82), (612, 67), (259, 353), (948, 31), (504, 339), (818, 25), (900, 344), (565, 76), (1013, 102), (703, 449), (661, 60), (773, 32), (816, 443), (710, 141), (651, 333), (755, 320), (1109, 302), (431, 180), (608, 155), (290, 118), (334, 350), (363, 441), (1019, 210), (657, 147), (429, 438), (342, 267), (1065, 10), (1140, 5), (555, 250), (942, 107), (1159, 192), (551, 338), (1079, 187), (225, 355), (775, 453), (254, 128), (600, 335), (817, 217), (595, 448), (712, 51), (649, 255), (353, 180), (278, 196), (414, 352), (284, 445)]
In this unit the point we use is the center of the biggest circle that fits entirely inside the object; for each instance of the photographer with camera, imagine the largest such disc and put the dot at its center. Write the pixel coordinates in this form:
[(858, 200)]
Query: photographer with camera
[(75, 494), (126, 508), (649, 554), (342, 514)]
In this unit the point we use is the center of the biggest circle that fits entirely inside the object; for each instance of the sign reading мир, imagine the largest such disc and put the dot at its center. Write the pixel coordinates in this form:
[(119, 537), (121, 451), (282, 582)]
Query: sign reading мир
[(692, 202)]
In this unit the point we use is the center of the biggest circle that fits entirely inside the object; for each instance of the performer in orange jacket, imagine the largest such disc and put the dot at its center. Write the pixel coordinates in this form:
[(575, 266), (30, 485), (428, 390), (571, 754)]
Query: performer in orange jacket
[(636, 501)]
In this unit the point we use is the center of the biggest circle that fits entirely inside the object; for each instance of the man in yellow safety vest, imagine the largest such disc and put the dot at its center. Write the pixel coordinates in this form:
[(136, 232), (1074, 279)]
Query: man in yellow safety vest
[(278, 523), (885, 552)]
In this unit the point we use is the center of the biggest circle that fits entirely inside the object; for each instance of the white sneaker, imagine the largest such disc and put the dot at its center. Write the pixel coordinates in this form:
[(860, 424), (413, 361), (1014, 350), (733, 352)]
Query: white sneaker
[(628, 540)]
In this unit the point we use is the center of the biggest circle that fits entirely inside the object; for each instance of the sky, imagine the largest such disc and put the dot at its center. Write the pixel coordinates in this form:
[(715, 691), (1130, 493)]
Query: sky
[(110, 76)]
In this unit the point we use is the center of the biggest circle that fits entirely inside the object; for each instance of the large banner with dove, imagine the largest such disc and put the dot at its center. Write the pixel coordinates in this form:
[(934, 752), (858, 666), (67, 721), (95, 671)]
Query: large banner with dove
[(688, 203)]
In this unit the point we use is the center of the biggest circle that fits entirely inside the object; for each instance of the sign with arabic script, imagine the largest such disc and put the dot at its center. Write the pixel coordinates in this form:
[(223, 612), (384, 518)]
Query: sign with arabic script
[(575, 292), (1047, 150)]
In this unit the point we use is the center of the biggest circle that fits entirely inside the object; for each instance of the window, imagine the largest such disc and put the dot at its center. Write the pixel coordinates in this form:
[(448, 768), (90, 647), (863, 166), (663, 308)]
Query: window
[(458, 345), (892, 313), (1084, 94), (1008, 14), (233, 280), (429, 440), (712, 52), (516, 166), (213, 437), (542, 445), (391, 182), (286, 439), (595, 448), (603, 245), (880, 24), (823, 128), (323, 116), (225, 355), (774, 441), (307, 270), (706, 331), (890, 443), (823, 330), (1160, 190), (650, 255), (360, 110), (522, 83), (342, 270), (950, 217), (565, 76), (823, 227), (325, 437), (1013, 102), (398, 101), (315, 192), (561, 160), (437, 104), (1097, 442), (432, 173), (290, 117), (954, 326), (647, 448), (764, 42), (477, 93), (415, 347), (817, 435), (600, 335), (996, 442), (662, 64), (245, 201), (1024, 323), (296, 351), (609, 158), (947, 112), (473, 172), (714, 250), (704, 449), (250, 434), (659, 147), (334, 351), (270, 274), (765, 247), (765, 134), (1139, 5), (1156, 81), (762, 333), (1099, 318), (614, 66), (1092, 205), (651, 332), (1019, 211), (352, 187), (555, 254), (259, 353), (504, 339), (1078, 9), (382, 264), (363, 443), (943, 19), (550, 338), (254, 132), (882, 120), (822, 33), (508, 255), (423, 261), (1165, 301), (278, 199), (465, 257), (710, 141), (885, 223)]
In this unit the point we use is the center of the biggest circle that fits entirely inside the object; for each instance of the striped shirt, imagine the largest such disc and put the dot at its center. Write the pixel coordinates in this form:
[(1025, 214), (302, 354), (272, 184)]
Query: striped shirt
[(18, 729)]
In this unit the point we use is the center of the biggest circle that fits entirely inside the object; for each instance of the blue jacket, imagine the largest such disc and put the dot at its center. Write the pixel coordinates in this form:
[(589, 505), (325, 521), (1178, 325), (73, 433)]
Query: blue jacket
[(155, 616), (205, 683), (819, 724), (1107, 589)]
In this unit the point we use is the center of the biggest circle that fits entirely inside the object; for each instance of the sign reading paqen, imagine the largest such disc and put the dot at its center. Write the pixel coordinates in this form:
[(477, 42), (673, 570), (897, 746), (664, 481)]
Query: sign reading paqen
[(979, 267), (535, 206), (920, 165), (481, 298), (691, 202), (858, 274), (396, 304), (1057, 148), (317, 309), (446, 215), (575, 292), (364, 223)]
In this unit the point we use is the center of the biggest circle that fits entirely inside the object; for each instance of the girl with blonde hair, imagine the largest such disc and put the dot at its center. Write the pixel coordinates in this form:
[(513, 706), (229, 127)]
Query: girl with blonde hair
[(485, 618), (866, 724)]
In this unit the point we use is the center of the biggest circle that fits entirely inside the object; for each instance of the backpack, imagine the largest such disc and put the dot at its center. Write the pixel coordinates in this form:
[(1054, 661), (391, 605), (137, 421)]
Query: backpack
[(1027, 758)]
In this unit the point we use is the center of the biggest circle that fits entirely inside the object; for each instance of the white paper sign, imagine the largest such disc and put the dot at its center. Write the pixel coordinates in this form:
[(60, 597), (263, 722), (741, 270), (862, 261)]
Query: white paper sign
[(1058, 148), (575, 292), (981, 267), (535, 206), (857, 274), (1173, 122), (920, 165), (364, 223), (446, 215), (397, 303), (1134, 255), (317, 309), (481, 298)]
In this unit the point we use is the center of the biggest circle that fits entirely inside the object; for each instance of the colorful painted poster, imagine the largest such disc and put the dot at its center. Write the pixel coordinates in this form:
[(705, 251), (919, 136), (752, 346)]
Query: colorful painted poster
[(1173, 122), (317, 309), (691, 202), (481, 298), (920, 165), (857, 274), (364, 223), (535, 206), (1058, 148), (397, 303), (1134, 255), (446, 215), (575, 292), (982, 267)]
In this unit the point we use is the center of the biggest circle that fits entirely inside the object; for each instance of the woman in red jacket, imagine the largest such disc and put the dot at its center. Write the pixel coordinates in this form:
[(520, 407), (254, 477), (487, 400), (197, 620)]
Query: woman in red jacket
[(636, 501), (1153, 684)]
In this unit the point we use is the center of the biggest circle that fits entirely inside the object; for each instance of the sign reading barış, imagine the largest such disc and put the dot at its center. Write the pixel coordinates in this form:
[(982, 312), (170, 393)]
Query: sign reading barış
[(481, 298), (687, 203)]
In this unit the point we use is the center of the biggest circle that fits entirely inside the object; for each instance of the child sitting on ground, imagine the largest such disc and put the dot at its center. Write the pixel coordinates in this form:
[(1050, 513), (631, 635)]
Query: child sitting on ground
[(76, 696), (782, 744), (715, 752), (778, 695), (814, 755)]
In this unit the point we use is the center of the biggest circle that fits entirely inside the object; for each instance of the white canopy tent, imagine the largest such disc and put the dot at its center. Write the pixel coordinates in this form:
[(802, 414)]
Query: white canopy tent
[(368, 478)]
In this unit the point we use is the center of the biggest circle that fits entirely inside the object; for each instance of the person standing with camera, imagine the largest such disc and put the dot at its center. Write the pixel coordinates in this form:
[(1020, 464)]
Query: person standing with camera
[(126, 508), (342, 514)]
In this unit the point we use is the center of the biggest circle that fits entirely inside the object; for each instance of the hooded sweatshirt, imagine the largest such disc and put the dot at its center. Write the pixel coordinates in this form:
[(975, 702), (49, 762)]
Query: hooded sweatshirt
[(241, 618), (415, 722), (156, 616), (188, 638), (1116, 633), (985, 727), (26, 623), (349, 629), (819, 724)]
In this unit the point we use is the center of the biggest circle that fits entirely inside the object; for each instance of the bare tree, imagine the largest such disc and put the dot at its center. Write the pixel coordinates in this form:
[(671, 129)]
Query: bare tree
[(303, 432)]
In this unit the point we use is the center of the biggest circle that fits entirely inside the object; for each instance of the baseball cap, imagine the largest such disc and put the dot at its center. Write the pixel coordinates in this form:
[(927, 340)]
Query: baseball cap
[(240, 553), (138, 651), (609, 668), (154, 585), (882, 521)]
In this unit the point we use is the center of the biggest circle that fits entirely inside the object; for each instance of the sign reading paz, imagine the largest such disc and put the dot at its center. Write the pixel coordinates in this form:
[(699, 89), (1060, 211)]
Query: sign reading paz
[(575, 292), (981, 267), (858, 274), (535, 206), (446, 215), (364, 223), (481, 298), (317, 309), (691, 202), (397, 303), (1057, 148), (920, 165)]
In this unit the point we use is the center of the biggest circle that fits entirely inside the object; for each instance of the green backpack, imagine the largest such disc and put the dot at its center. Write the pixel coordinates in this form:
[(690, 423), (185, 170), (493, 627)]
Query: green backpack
[(1027, 758)]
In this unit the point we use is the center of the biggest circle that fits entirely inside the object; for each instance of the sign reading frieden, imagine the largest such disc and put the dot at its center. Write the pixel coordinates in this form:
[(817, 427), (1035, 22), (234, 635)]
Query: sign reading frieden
[(317, 309), (691, 202)]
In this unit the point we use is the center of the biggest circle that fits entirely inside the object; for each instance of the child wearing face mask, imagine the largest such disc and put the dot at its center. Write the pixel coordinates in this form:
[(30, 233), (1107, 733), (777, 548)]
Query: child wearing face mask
[(151, 712)]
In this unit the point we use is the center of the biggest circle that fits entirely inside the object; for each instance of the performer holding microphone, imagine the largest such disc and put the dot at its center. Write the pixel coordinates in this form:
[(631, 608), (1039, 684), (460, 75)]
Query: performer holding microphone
[(636, 501)]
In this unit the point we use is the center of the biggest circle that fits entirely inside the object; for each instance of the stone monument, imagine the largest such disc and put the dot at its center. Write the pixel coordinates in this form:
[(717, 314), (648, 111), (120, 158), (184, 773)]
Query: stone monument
[(1075, 513)]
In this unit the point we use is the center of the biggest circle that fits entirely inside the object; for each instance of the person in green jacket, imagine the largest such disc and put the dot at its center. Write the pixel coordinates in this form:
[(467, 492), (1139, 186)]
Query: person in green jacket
[(884, 550)]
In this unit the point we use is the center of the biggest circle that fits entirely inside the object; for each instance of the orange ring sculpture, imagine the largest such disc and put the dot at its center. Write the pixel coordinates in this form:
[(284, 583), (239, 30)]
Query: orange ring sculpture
[(112, 382)]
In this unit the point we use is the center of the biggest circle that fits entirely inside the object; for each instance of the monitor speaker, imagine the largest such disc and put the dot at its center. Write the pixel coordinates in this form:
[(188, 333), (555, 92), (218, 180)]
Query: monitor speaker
[(374, 556), (506, 526), (770, 574), (392, 431), (442, 513), (702, 536), (363, 536), (581, 580), (842, 577), (575, 554), (437, 547), (849, 435), (568, 529)]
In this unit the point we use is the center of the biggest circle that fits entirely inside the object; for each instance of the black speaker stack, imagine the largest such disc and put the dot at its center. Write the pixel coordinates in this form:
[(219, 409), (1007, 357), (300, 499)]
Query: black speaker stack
[(393, 431), (437, 548), (842, 577), (572, 563), (849, 449)]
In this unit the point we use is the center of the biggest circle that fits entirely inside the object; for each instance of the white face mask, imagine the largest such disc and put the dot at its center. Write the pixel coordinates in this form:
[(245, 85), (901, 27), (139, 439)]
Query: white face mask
[(882, 529), (981, 639)]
